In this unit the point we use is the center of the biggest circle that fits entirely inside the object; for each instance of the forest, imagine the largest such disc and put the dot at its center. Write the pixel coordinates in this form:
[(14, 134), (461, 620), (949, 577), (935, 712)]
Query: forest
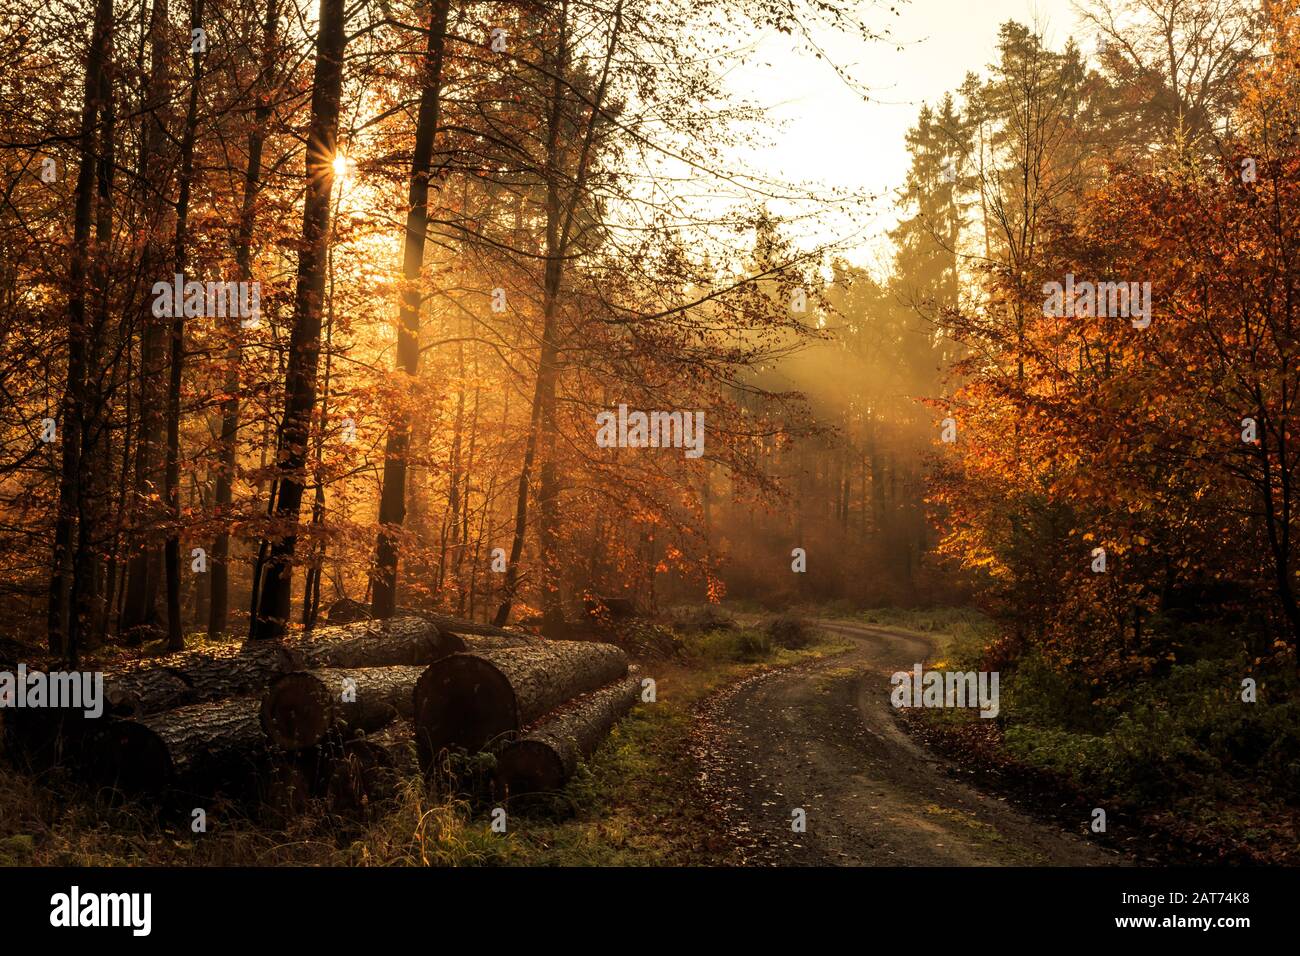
[(470, 356)]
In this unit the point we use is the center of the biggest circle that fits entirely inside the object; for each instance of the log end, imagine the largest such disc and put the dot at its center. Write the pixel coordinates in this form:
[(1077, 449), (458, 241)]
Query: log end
[(129, 757), (462, 701), (529, 766)]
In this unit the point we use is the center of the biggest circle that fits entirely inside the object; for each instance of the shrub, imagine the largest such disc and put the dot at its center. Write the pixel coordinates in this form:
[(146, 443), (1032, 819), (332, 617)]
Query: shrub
[(745, 645), (702, 620), (788, 632)]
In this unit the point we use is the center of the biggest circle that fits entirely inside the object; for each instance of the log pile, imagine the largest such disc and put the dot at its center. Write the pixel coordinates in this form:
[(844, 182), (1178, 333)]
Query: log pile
[(546, 756), (338, 712), (475, 700)]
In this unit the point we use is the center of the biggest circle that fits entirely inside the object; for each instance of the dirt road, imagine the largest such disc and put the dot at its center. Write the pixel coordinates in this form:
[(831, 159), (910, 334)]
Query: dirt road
[(821, 737)]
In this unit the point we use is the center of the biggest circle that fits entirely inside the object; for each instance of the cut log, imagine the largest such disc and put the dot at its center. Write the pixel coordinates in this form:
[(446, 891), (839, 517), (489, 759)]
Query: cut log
[(477, 642), (400, 640), (397, 738), (139, 688), (152, 685), (347, 611), (474, 700), (299, 709), (545, 758), (47, 736), (143, 690), (201, 747), (455, 625)]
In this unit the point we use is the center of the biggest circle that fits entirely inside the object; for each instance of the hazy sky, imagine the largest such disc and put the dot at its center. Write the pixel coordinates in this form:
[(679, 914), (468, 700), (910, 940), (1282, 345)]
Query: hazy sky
[(831, 135)]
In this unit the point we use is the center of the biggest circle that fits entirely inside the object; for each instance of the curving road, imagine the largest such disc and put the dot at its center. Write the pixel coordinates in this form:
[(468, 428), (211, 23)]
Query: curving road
[(821, 737)]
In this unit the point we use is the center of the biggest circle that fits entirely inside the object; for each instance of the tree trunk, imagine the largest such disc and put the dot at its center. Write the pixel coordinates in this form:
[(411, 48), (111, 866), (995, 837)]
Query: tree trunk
[(400, 640), (139, 612), (172, 474), (65, 617), (219, 607), (541, 418), (347, 611), (96, 463), (271, 613), (547, 756), (150, 686), (392, 502), (474, 699), (560, 215), (201, 747), (300, 709)]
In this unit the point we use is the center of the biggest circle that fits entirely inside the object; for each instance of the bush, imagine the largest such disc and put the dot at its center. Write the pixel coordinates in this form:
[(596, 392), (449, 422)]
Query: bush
[(744, 645), (788, 632), (753, 645), (702, 620), (1169, 737), (1039, 694)]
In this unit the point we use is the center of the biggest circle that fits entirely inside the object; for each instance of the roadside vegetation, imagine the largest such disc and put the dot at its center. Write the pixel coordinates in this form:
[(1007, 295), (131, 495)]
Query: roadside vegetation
[(1185, 769)]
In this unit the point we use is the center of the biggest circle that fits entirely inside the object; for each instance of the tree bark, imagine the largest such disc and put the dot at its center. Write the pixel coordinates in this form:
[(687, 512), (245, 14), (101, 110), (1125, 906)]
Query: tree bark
[(153, 685), (139, 612), (404, 640), (473, 700), (300, 709), (202, 747), (219, 607), (392, 502), (172, 472), (271, 613), (347, 611), (65, 617), (546, 757)]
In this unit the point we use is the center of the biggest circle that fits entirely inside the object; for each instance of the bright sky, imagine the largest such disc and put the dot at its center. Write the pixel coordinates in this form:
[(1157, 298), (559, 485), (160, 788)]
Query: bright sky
[(832, 136)]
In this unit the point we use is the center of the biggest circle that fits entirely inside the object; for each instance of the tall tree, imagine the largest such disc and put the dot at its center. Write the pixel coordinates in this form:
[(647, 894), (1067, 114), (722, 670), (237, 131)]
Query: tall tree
[(219, 604), (562, 209), (68, 614), (172, 479), (392, 501), (139, 612), (270, 612)]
